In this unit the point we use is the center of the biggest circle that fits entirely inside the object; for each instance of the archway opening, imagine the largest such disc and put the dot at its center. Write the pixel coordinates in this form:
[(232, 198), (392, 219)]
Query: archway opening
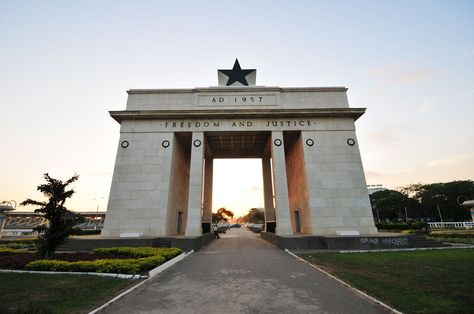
[(237, 185)]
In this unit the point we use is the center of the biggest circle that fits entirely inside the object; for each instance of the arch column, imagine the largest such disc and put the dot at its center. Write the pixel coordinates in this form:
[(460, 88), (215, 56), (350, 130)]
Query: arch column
[(207, 199), (282, 206), (193, 225), (268, 191)]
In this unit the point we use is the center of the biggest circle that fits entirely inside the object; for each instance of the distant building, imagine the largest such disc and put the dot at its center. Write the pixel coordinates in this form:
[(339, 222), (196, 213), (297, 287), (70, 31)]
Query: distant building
[(23, 223), (372, 188)]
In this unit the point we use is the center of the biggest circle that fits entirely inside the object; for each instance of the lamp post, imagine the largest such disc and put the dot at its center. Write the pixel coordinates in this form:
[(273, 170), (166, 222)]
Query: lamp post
[(97, 211), (439, 212)]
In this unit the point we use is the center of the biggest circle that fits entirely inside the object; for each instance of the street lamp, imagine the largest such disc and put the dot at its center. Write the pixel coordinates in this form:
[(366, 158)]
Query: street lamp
[(97, 211)]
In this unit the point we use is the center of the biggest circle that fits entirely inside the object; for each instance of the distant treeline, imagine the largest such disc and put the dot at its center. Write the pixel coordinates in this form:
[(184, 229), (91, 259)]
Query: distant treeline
[(424, 202)]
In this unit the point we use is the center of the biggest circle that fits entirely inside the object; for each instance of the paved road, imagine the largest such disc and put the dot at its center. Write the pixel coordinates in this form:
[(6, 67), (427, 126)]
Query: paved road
[(241, 273)]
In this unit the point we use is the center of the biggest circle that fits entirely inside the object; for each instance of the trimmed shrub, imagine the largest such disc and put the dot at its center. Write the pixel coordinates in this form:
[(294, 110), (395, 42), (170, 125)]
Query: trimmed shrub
[(141, 259), (48, 265), (9, 251), (402, 226), (453, 235), (120, 266), (136, 252), (28, 243)]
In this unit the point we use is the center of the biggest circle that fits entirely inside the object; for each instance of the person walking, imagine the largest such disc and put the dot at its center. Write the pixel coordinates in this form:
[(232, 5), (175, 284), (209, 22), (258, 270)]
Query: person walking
[(216, 232)]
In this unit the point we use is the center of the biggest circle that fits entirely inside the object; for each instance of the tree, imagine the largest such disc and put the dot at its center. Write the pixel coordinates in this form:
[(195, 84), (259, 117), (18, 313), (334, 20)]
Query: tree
[(391, 204), (222, 214), (441, 199), (255, 216), (61, 221)]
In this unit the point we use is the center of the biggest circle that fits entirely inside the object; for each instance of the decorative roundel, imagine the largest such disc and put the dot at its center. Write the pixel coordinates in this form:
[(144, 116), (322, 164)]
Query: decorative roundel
[(165, 143), (124, 144), (309, 142), (197, 143), (351, 141), (277, 142)]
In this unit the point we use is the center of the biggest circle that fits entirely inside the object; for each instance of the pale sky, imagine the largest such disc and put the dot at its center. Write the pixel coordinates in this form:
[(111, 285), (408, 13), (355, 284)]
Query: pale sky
[(64, 64)]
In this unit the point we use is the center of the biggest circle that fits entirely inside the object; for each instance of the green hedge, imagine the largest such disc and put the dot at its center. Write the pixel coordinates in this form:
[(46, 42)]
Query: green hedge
[(136, 252), (8, 251), (453, 235), (28, 243), (141, 259), (120, 266), (402, 226)]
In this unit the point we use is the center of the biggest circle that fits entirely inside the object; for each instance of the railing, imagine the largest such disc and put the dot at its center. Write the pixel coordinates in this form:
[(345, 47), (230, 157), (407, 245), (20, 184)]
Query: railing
[(467, 224)]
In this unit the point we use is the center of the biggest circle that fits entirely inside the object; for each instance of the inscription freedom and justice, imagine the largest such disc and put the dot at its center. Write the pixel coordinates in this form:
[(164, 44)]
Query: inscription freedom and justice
[(237, 124)]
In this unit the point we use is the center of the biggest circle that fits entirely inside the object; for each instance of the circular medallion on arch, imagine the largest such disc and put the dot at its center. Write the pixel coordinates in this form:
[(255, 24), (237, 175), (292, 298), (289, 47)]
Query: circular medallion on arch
[(124, 144), (351, 141), (277, 142), (197, 143), (165, 143), (310, 142)]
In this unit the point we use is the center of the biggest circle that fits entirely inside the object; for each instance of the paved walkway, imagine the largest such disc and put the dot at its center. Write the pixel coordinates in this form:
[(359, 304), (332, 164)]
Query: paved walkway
[(241, 273)]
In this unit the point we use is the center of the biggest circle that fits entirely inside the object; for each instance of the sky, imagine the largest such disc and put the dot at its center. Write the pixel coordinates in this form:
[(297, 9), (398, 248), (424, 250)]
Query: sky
[(65, 64)]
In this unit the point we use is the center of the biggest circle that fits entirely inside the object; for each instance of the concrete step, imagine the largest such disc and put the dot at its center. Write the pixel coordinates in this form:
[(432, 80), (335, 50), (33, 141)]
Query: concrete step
[(317, 243), (422, 241)]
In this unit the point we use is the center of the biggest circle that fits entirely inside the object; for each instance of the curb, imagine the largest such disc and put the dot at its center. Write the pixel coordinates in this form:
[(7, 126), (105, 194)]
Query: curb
[(122, 276), (345, 284), (152, 274)]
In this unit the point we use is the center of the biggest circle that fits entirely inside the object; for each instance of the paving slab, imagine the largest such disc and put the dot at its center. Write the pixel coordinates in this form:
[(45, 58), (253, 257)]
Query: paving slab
[(241, 273)]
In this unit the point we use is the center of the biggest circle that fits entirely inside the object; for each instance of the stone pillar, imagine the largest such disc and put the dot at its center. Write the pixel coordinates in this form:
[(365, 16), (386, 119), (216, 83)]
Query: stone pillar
[(268, 191), (193, 225), (207, 206), (282, 207)]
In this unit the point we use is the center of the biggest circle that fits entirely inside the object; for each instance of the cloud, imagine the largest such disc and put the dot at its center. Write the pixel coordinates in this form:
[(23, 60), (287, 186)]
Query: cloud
[(389, 134), (461, 95), (412, 75), (252, 189), (449, 161), (397, 74), (455, 167), (427, 104), (469, 52), (101, 173), (369, 174)]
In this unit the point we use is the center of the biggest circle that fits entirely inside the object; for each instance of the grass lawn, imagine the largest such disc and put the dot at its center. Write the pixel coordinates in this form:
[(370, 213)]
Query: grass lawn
[(432, 281), (40, 293)]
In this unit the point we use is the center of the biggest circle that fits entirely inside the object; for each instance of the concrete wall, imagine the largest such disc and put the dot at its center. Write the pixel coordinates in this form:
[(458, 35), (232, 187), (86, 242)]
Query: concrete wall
[(297, 187), (339, 198), (139, 191), (179, 183), (200, 98)]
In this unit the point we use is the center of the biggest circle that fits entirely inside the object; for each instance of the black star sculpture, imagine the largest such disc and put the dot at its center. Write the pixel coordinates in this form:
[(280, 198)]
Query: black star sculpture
[(237, 74)]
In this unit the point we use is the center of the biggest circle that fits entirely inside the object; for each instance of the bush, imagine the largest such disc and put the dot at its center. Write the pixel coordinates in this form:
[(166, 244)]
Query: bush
[(9, 251), (120, 266), (453, 235), (87, 232), (136, 252), (19, 243), (402, 226), (141, 259)]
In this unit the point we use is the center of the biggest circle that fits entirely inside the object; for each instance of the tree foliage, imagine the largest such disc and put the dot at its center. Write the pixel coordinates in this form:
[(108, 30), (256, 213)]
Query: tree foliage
[(61, 221), (222, 214), (422, 201), (254, 216)]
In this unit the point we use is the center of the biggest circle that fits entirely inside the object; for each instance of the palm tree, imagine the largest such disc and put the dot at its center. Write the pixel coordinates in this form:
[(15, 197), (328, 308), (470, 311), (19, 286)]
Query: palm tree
[(61, 220)]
